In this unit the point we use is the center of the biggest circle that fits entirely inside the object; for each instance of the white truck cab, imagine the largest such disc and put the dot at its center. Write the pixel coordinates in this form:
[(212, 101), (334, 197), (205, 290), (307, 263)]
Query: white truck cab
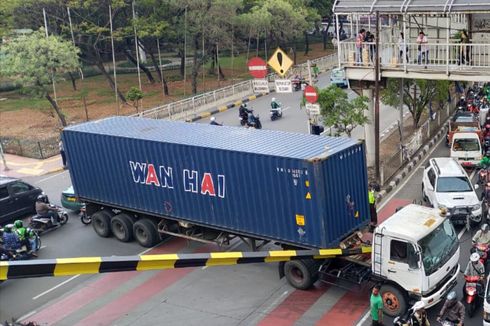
[(466, 148), (415, 253)]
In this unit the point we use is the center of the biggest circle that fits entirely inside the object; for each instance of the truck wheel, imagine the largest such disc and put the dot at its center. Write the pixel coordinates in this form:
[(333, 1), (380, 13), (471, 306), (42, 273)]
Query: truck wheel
[(394, 301), (122, 227), (301, 274), (101, 222), (146, 233)]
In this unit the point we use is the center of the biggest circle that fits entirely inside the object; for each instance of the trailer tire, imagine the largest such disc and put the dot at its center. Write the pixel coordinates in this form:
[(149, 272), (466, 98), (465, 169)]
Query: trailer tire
[(122, 227), (146, 233), (394, 300), (301, 274), (101, 222)]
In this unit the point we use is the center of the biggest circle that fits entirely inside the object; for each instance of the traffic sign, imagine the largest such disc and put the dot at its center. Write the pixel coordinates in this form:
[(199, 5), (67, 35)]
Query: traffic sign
[(310, 94), (257, 67), (280, 62), (260, 86), (313, 109), (283, 86)]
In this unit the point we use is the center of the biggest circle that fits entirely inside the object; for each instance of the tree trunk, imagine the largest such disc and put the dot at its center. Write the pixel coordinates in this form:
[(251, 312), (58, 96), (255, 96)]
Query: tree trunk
[(307, 43), (159, 72), (325, 35), (220, 72), (182, 64), (128, 55), (57, 109), (85, 107), (196, 64), (73, 83), (101, 67)]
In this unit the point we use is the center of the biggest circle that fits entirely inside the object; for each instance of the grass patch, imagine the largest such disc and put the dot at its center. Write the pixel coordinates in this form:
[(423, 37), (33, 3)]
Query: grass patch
[(24, 103)]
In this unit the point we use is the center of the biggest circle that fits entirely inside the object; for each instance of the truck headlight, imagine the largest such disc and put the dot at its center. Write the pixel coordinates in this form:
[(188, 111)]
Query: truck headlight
[(475, 207)]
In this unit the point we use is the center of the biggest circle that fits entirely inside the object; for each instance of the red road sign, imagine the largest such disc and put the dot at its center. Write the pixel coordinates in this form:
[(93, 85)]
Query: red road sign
[(257, 67), (310, 94)]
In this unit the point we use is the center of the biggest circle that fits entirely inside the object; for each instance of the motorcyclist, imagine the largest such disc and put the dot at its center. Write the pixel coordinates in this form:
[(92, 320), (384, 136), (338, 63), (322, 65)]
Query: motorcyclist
[(43, 209), (475, 268), (21, 232), (452, 310), (243, 111), (10, 238), (276, 106), (420, 317), (482, 236), (462, 102), (213, 122)]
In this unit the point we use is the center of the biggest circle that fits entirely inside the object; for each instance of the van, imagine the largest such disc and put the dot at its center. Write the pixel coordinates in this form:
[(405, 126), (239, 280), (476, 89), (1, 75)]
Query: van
[(466, 148)]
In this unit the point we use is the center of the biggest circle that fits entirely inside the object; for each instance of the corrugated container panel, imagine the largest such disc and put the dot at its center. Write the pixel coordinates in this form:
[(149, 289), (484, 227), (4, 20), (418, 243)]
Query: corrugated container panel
[(304, 190)]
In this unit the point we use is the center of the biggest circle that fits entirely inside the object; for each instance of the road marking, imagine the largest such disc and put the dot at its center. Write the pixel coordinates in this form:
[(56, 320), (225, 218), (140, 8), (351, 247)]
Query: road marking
[(51, 176), (366, 316), (26, 316), (55, 287)]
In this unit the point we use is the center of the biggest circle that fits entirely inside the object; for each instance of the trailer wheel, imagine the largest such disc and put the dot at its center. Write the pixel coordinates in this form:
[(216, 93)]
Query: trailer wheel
[(301, 274), (394, 300), (122, 227), (146, 233), (101, 222)]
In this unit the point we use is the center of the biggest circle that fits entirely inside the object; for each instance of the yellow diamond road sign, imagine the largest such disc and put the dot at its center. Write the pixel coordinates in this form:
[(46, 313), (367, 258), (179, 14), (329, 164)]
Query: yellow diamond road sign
[(280, 62)]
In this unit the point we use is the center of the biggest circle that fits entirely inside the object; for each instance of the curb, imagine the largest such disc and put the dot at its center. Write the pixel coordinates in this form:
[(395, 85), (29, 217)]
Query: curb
[(224, 108), (410, 166)]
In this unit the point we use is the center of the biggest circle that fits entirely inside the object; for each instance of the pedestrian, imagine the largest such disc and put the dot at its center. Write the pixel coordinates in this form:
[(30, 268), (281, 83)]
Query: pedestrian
[(359, 44), (376, 306), (316, 71), (402, 47), (423, 48), (372, 206), (62, 153), (464, 52), (372, 47)]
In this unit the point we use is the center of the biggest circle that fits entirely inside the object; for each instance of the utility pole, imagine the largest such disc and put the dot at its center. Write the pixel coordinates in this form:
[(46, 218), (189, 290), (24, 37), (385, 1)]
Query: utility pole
[(376, 103)]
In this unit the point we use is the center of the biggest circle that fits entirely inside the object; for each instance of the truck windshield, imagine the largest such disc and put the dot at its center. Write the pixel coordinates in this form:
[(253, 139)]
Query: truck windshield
[(466, 145), (438, 246), (453, 184)]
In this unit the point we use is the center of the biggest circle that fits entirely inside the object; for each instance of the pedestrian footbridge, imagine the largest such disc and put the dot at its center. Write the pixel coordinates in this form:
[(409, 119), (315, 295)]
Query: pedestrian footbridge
[(444, 55)]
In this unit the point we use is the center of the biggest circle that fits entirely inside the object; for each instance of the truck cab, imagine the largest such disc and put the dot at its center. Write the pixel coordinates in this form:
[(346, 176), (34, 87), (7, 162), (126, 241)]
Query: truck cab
[(466, 148), (415, 254)]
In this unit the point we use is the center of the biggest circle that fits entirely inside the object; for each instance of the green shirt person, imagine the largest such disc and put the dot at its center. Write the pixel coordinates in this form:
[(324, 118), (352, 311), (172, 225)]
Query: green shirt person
[(376, 306)]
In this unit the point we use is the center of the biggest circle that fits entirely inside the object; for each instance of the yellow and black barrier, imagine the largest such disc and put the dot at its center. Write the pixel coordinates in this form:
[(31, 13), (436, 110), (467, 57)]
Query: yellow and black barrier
[(95, 265)]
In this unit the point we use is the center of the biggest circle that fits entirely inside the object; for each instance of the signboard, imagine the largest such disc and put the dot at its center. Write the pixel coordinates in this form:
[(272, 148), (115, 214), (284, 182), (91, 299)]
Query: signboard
[(257, 67), (313, 109), (283, 86), (260, 86), (280, 62), (310, 94)]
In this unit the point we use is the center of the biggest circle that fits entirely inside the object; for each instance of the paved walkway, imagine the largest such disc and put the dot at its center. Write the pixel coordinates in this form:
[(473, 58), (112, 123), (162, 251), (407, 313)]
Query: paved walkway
[(20, 167)]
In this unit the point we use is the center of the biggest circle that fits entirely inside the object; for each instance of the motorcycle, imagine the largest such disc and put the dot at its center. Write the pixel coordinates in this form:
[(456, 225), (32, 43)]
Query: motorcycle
[(472, 289), (408, 319), (276, 113), (42, 224), (482, 250), (84, 217), (21, 253), (254, 122)]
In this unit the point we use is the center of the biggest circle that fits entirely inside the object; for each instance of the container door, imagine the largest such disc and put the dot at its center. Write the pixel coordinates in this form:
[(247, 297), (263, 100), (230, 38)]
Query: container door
[(403, 264)]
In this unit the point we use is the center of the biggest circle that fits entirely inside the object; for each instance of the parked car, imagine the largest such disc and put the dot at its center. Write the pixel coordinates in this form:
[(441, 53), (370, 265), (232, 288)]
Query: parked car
[(445, 184), (17, 198), (70, 201), (486, 304)]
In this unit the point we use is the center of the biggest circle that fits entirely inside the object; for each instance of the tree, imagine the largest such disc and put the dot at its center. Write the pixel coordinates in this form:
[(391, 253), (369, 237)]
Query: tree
[(134, 94), (35, 61), (417, 94), (340, 112)]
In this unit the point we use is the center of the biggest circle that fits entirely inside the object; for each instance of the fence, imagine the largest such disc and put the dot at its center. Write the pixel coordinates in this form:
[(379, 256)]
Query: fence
[(39, 149), (421, 136)]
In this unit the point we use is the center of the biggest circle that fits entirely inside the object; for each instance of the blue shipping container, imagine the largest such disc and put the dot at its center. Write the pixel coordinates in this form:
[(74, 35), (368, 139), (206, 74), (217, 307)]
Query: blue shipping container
[(303, 190)]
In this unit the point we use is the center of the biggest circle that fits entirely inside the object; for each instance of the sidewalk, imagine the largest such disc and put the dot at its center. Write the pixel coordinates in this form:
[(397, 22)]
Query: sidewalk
[(20, 167)]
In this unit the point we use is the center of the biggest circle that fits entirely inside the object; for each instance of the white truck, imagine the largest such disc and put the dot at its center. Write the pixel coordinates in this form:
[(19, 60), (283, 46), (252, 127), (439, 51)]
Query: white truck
[(466, 148), (414, 255)]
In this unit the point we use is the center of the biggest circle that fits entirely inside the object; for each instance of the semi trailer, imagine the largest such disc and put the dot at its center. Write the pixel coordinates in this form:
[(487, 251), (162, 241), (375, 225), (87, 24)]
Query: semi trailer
[(145, 179)]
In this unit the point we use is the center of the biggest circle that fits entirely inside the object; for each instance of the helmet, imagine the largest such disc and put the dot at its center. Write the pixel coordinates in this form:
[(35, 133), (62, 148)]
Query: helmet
[(474, 257), (451, 296), (8, 228), (42, 198), (213, 119), (18, 224), (245, 105), (273, 99), (462, 97), (418, 305), (484, 227)]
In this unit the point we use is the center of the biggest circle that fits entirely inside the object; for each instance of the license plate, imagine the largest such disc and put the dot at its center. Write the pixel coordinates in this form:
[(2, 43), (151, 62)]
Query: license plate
[(71, 199), (459, 212)]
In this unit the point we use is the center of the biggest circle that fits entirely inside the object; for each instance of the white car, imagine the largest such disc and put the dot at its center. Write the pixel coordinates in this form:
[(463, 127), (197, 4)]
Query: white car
[(446, 184), (466, 148)]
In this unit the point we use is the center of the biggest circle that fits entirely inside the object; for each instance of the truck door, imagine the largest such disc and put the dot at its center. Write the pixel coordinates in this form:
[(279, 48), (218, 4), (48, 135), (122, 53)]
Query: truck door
[(403, 265), (430, 184)]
